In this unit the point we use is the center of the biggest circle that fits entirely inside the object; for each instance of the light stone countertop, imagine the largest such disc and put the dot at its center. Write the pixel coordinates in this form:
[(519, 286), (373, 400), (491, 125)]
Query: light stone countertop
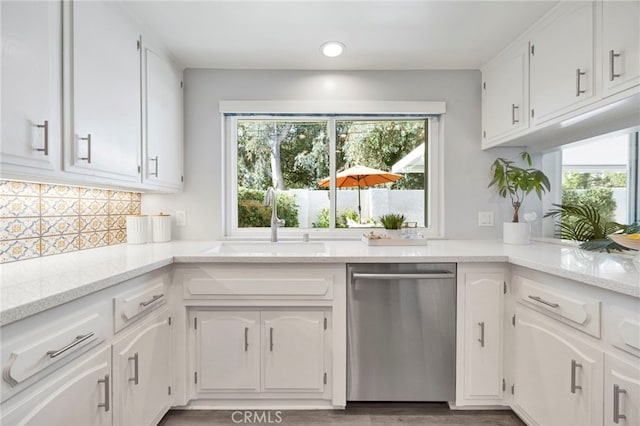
[(35, 285)]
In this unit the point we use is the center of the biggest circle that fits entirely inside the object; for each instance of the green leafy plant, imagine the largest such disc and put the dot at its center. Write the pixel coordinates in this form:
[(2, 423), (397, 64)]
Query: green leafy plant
[(392, 220), (323, 219), (587, 225), (251, 212), (517, 182)]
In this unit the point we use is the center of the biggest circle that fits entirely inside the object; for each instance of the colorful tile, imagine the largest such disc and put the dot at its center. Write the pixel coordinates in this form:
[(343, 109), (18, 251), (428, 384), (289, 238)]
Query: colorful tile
[(58, 244), (15, 206), (59, 225), (18, 227), (96, 223), (93, 207), (59, 191), (60, 207), (14, 250), (120, 207), (117, 222), (23, 189), (136, 196), (93, 239), (120, 196), (120, 236), (94, 194), (135, 208)]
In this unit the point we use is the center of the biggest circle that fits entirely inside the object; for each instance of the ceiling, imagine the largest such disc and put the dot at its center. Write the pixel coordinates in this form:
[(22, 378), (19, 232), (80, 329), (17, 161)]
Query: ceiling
[(379, 35)]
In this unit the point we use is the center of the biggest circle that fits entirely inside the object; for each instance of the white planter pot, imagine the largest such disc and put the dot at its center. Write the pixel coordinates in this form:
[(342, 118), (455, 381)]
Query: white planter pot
[(516, 233), (395, 234)]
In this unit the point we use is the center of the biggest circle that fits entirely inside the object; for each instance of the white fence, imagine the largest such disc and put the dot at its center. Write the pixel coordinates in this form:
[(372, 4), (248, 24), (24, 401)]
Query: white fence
[(375, 202)]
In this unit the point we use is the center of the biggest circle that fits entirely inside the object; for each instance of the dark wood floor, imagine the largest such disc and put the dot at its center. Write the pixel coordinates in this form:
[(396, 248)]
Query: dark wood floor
[(357, 414)]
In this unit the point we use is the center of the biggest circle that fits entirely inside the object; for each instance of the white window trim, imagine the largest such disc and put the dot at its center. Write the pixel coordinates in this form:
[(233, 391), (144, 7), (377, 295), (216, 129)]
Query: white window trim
[(435, 215), (332, 107)]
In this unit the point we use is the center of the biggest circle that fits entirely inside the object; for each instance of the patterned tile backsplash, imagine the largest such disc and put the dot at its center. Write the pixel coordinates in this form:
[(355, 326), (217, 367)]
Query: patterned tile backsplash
[(38, 219)]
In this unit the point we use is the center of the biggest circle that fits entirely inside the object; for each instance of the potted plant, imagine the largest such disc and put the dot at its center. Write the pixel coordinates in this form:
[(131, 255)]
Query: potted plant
[(516, 183), (392, 222)]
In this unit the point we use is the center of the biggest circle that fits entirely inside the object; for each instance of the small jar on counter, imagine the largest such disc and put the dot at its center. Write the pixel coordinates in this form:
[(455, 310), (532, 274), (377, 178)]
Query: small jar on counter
[(161, 225), (137, 229)]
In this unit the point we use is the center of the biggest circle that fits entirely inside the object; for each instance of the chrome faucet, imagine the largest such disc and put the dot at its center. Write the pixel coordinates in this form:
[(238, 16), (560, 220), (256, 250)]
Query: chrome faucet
[(271, 198)]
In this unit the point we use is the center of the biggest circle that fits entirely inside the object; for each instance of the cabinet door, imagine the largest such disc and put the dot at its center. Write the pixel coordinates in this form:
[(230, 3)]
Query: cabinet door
[(562, 62), (621, 45), (558, 378), (505, 108), (142, 373), (163, 121), (293, 351), (105, 139), (79, 396), (31, 84), (621, 392), (227, 351), (483, 335)]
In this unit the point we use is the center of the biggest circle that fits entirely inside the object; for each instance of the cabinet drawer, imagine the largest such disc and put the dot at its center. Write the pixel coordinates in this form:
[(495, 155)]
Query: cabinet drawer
[(623, 329), (133, 304), (32, 352), (267, 283), (578, 311)]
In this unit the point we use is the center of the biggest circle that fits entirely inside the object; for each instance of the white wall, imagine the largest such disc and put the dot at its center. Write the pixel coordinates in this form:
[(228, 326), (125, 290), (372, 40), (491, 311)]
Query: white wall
[(466, 167)]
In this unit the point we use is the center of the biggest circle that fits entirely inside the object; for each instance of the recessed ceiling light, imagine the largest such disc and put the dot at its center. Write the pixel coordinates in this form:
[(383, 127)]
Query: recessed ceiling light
[(332, 48)]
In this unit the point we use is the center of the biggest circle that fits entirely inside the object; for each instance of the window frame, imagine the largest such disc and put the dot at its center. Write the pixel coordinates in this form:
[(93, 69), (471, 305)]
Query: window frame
[(434, 197)]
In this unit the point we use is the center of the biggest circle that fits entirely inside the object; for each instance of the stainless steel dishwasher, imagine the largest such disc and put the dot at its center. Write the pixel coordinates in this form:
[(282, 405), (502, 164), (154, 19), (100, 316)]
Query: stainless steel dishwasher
[(401, 328)]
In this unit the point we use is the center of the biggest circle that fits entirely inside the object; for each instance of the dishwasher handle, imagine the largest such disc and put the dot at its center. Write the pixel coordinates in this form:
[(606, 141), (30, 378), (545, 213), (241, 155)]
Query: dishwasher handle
[(404, 276)]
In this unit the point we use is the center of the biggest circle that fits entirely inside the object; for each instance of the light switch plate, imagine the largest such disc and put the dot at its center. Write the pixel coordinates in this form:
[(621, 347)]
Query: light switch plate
[(181, 218), (485, 218)]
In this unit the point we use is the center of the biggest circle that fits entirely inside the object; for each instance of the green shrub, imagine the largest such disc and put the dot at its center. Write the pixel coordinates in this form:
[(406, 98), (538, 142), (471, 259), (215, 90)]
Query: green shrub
[(252, 214), (323, 218)]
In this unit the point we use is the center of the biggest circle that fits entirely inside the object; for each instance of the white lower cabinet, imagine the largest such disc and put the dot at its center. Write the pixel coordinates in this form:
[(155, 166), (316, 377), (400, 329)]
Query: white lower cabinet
[(293, 356), (480, 375), (142, 371), (227, 351), (78, 394), (558, 378), (259, 351), (621, 391)]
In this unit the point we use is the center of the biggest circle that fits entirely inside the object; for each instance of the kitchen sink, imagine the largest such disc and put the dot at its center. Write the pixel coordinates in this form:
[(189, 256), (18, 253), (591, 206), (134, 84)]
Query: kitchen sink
[(259, 248)]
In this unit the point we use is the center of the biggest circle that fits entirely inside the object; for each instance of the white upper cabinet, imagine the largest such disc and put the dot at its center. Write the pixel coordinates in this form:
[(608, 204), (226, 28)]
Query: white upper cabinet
[(620, 45), (104, 139), (162, 121), (31, 86), (505, 94), (562, 62)]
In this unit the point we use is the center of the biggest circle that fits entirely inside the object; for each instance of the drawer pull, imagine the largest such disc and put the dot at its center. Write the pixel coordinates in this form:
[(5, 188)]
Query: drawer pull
[(270, 339), (544, 302), (616, 404), (153, 299), (612, 68), (574, 365), (76, 342), (88, 157), (107, 401), (246, 339), (44, 126), (134, 358), (579, 90), (481, 339)]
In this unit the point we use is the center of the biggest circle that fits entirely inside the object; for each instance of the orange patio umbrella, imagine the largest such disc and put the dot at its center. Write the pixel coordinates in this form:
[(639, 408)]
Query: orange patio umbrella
[(361, 176)]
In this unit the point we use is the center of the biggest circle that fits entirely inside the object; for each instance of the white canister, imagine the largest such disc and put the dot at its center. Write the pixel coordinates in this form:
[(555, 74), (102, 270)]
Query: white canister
[(137, 229), (161, 225)]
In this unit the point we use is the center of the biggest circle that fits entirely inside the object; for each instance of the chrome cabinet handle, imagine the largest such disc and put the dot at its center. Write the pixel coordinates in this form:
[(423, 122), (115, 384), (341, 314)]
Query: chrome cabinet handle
[(153, 299), (544, 302), (481, 339), (134, 358), (271, 339), (574, 365), (579, 73), (44, 126), (76, 342), (514, 107), (612, 65), (107, 398), (616, 403), (156, 161), (88, 157), (246, 339)]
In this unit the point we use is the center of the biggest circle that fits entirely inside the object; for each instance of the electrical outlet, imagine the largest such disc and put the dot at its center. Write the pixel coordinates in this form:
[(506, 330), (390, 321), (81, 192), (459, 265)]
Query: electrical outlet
[(485, 218), (181, 218)]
